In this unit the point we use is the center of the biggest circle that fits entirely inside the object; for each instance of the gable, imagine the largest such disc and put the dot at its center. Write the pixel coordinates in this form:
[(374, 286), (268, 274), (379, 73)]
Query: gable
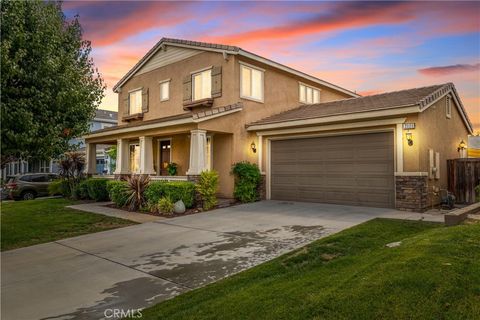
[(166, 56)]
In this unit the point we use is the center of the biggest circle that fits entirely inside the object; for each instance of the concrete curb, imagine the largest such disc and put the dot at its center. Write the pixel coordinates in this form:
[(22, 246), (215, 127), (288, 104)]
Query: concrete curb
[(457, 216)]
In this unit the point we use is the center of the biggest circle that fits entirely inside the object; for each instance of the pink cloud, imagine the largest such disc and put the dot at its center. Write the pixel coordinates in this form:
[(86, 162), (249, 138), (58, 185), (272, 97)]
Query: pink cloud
[(447, 70)]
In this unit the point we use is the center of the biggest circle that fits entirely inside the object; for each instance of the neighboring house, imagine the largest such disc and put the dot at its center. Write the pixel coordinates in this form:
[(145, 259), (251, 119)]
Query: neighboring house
[(103, 119), (207, 106)]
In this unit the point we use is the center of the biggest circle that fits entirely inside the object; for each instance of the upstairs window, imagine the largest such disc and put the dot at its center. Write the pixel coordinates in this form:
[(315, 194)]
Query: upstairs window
[(165, 90), (135, 101), (202, 85), (309, 94), (448, 107), (251, 83)]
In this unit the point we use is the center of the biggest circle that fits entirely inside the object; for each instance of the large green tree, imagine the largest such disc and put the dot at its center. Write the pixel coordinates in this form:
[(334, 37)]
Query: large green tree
[(50, 87)]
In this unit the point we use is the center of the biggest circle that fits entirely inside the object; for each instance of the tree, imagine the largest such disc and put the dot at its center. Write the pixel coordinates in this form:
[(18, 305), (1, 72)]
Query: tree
[(50, 87)]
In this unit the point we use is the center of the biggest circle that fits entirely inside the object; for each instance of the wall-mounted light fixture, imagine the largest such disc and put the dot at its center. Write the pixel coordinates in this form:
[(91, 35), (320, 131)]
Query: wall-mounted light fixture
[(462, 146), (409, 138), (253, 147)]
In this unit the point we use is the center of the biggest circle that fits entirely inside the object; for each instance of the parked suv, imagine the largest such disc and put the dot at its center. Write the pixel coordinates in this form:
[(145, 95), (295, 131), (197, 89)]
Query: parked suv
[(29, 186)]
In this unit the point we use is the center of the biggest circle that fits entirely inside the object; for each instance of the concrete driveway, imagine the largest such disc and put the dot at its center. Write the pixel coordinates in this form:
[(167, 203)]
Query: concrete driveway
[(137, 266)]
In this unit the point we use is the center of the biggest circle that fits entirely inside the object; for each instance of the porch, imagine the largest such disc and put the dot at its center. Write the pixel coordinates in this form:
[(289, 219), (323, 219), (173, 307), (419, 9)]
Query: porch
[(192, 151)]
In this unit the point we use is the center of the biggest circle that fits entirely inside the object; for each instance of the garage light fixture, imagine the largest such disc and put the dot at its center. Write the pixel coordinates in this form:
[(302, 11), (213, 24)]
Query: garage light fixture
[(462, 146), (253, 147), (409, 137)]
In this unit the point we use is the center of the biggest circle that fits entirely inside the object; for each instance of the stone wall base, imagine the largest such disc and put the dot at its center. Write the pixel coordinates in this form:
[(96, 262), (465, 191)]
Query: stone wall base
[(262, 188), (411, 193)]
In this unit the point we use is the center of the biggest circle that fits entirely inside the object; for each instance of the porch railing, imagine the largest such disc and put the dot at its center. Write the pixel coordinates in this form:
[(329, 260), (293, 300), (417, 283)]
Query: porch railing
[(168, 178)]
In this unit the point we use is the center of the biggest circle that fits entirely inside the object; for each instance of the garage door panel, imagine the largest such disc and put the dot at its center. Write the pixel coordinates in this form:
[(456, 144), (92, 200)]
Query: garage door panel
[(351, 170)]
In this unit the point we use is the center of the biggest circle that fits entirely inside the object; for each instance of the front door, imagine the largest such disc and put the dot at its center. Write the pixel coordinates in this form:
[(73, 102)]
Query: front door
[(164, 156)]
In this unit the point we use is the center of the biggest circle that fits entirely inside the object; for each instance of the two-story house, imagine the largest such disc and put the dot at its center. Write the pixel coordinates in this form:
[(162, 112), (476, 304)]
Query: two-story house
[(207, 106)]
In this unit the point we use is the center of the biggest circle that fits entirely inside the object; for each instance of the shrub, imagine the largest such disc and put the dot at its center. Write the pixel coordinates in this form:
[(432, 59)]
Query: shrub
[(59, 187), (118, 192), (165, 205), (136, 185), (247, 180), (97, 189), (82, 190), (477, 193), (175, 190), (207, 187)]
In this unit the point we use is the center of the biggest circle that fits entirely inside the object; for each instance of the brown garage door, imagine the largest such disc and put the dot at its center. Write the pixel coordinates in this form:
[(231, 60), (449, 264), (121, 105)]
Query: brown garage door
[(348, 169)]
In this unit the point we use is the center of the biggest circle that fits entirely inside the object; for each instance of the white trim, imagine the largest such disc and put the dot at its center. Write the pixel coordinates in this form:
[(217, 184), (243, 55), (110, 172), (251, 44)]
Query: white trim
[(352, 125), (160, 89), (200, 70), (251, 66), (411, 174), (133, 90), (140, 128), (246, 65), (307, 86), (260, 153), (448, 107), (335, 118), (216, 115), (166, 80), (269, 170), (399, 147), (159, 150)]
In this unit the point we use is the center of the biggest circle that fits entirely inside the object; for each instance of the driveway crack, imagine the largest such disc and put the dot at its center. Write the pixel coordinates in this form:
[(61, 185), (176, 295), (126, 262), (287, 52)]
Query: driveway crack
[(124, 265)]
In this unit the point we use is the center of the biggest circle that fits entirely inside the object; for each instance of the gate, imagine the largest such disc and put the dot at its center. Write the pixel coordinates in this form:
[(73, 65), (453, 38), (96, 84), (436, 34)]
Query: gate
[(463, 177)]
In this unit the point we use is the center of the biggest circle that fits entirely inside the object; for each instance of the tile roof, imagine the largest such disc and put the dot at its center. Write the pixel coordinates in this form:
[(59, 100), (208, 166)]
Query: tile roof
[(218, 110), (388, 100), (106, 114), (201, 44)]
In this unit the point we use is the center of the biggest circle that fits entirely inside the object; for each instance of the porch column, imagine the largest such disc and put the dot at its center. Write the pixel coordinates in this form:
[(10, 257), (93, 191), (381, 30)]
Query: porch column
[(146, 155), (122, 157), (91, 158), (198, 156)]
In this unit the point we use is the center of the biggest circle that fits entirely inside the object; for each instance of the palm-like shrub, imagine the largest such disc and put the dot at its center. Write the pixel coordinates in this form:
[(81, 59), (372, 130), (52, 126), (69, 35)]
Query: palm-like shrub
[(71, 166), (136, 185)]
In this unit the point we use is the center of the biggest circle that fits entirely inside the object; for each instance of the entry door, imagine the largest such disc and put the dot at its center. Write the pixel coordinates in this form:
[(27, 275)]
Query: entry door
[(164, 156), (350, 169)]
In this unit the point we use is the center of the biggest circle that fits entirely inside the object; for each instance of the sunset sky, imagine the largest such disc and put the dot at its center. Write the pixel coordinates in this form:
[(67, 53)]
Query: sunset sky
[(368, 47)]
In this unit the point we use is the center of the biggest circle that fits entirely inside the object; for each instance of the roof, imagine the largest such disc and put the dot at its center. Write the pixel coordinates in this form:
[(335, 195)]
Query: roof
[(223, 49), (417, 97), (183, 118), (101, 114)]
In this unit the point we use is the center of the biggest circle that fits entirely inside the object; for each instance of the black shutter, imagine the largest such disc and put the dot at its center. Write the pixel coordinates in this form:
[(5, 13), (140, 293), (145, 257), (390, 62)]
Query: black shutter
[(216, 82)]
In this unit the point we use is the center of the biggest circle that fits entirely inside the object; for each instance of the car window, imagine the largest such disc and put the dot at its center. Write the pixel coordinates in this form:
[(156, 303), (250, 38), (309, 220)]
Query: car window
[(39, 178), (26, 178)]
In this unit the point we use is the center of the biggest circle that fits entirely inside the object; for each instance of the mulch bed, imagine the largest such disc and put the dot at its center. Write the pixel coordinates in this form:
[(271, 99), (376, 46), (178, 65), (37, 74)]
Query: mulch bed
[(175, 215)]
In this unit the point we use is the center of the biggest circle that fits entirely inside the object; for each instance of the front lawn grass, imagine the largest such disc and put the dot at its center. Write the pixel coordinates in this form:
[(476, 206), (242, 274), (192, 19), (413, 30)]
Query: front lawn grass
[(433, 274), (25, 223)]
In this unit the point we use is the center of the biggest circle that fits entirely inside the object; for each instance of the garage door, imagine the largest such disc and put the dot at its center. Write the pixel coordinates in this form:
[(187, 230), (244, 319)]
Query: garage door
[(348, 169)]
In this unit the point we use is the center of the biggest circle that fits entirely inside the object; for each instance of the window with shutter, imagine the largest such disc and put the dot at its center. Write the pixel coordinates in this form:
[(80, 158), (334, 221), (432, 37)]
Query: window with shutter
[(216, 82)]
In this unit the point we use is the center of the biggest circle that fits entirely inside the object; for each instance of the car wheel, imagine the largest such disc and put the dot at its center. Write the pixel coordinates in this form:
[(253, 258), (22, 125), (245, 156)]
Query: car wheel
[(28, 195)]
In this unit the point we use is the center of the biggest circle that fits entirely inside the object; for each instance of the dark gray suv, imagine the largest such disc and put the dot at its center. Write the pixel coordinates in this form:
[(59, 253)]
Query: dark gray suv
[(29, 186)]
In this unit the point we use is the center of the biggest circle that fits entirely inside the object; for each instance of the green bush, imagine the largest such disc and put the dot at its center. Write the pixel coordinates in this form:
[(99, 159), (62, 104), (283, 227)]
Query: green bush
[(477, 193), (165, 205), (82, 190), (117, 191), (59, 187), (175, 190), (97, 189), (247, 179), (207, 187)]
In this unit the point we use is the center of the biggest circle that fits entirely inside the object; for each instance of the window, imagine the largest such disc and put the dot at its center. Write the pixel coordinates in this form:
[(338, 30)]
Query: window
[(134, 158), (202, 85), (39, 178), (165, 90), (448, 107), (44, 166), (135, 101), (309, 94), (251, 83)]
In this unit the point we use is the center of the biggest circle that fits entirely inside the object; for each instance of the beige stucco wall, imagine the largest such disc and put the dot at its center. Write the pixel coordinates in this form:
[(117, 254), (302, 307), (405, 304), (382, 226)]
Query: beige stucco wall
[(441, 134)]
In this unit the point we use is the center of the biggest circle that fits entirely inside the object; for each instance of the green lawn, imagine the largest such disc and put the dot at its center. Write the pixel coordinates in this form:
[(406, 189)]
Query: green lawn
[(433, 274), (25, 223)]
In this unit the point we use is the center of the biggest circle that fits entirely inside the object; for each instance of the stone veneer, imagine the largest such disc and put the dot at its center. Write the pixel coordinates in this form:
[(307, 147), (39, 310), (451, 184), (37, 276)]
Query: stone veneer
[(411, 192), (262, 188)]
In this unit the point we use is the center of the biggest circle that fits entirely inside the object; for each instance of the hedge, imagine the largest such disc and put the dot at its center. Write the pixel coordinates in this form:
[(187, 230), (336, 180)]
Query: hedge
[(117, 191), (59, 187), (97, 189), (247, 180), (175, 190)]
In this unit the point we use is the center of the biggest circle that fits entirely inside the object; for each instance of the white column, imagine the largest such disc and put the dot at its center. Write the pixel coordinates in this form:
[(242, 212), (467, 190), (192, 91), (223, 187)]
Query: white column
[(198, 155), (260, 153), (91, 158), (122, 157), (146, 155)]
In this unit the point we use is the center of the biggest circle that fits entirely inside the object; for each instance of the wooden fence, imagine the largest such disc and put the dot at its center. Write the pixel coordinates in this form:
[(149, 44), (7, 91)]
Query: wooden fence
[(463, 177)]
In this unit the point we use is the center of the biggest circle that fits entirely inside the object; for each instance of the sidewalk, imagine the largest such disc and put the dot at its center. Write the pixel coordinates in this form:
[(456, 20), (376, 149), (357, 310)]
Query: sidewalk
[(101, 208)]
